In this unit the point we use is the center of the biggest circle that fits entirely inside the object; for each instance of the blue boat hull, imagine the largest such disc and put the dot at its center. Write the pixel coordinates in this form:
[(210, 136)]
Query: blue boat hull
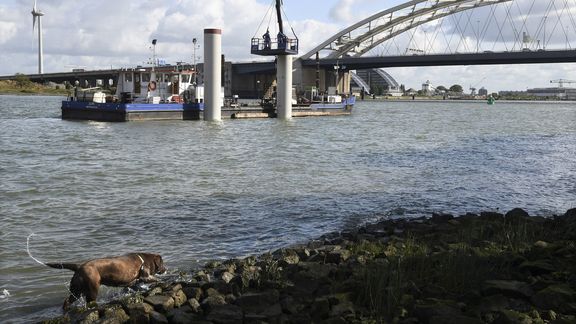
[(120, 112)]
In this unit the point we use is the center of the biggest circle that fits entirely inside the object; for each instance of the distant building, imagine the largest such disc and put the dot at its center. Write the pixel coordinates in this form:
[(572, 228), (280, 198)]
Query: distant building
[(483, 92), (427, 87), (554, 93)]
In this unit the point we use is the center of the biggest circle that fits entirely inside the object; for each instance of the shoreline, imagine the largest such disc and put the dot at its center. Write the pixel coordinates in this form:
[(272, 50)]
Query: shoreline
[(487, 268)]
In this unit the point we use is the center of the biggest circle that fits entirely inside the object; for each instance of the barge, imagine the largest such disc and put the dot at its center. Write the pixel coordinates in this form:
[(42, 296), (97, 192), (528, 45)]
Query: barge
[(170, 93)]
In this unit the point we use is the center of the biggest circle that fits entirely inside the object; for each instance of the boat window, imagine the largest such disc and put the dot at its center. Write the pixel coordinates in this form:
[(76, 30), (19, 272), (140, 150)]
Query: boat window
[(137, 77), (175, 78), (166, 78), (145, 77), (128, 77), (186, 78)]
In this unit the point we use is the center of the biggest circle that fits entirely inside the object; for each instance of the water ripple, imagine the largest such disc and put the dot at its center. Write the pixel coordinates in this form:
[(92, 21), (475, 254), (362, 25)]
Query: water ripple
[(194, 191)]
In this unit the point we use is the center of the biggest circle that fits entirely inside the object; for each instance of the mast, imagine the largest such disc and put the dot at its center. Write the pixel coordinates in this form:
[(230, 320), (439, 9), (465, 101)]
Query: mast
[(279, 14)]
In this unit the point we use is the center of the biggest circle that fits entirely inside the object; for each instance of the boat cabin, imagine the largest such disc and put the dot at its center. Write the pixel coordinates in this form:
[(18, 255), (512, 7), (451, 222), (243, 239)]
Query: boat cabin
[(159, 85)]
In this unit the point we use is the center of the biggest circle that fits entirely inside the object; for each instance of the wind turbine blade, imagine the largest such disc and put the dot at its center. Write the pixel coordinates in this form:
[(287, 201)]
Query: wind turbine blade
[(34, 6), (33, 22)]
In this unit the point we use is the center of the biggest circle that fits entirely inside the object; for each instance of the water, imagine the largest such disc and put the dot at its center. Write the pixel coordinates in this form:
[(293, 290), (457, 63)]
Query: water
[(193, 191)]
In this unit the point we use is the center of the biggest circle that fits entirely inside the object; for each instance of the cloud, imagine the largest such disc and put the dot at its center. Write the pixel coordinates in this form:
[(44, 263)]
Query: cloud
[(115, 33), (112, 33), (351, 11)]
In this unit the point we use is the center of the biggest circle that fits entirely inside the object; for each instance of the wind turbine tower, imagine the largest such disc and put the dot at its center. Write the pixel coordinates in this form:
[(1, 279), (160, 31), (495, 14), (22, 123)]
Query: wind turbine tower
[(38, 14)]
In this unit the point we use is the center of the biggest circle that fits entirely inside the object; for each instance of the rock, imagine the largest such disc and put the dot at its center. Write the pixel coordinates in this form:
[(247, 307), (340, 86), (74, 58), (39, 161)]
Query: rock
[(541, 244), (227, 277), (441, 218), (289, 305), (555, 297), (342, 309), (272, 313), (570, 214), (89, 317), (338, 256), (160, 303), (320, 308), (454, 319), (435, 308), (211, 292), (140, 313), (512, 317), (154, 291), (192, 292), (538, 267), (510, 288), (257, 302), (516, 215), (194, 305), (181, 315), (491, 216), (179, 298), (222, 314), (212, 301), (175, 287), (493, 303), (114, 314), (157, 318)]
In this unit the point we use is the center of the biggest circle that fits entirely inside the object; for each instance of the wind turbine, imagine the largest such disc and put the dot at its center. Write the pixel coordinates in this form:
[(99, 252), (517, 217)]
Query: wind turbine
[(38, 14)]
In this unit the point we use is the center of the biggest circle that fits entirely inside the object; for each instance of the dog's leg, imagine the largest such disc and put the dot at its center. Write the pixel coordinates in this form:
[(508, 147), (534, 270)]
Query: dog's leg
[(75, 291)]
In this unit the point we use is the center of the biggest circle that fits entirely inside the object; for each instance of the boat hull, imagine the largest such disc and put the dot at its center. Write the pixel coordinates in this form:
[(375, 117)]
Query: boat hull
[(120, 112)]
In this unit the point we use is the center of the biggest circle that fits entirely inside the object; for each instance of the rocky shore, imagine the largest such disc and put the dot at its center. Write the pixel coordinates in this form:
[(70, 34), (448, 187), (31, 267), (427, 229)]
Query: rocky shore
[(487, 268)]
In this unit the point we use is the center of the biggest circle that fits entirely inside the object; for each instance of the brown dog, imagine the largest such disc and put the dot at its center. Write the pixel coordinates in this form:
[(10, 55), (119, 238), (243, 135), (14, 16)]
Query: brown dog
[(122, 271)]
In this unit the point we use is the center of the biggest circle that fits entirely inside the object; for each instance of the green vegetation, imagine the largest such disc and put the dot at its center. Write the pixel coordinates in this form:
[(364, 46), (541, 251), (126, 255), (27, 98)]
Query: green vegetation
[(449, 268), (22, 85)]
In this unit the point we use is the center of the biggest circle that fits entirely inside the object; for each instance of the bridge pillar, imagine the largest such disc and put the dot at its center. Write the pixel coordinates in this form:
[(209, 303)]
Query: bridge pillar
[(284, 90), (213, 74)]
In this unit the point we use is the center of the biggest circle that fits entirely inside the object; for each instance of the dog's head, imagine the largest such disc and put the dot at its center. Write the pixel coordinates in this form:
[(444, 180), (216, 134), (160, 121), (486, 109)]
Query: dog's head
[(154, 263)]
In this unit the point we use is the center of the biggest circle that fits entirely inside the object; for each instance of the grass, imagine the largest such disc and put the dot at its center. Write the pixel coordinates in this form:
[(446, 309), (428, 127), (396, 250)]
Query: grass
[(449, 265)]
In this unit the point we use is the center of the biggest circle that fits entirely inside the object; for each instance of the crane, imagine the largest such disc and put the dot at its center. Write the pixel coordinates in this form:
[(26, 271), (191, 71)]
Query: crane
[(561, 82), (473, 88)]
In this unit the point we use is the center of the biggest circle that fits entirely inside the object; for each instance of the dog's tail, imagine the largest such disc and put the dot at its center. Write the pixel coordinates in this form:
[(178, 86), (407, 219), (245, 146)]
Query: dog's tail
[(70, 266)]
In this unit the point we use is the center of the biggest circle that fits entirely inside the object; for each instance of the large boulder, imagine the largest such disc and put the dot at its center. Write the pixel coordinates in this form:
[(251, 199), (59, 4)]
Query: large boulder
[(516, 215), (556, 297), (223, 314), (161, 303), (510, 288)]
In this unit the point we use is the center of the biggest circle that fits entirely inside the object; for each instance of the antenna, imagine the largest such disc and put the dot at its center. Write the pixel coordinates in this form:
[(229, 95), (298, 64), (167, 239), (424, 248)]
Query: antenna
[(38, 14)]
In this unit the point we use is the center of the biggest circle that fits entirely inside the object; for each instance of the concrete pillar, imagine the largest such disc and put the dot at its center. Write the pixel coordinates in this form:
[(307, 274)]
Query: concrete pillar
[(212, 74), (284, 89)]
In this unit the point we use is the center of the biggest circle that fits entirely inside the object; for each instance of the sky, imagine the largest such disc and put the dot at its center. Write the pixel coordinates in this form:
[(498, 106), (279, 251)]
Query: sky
[(111, 33)]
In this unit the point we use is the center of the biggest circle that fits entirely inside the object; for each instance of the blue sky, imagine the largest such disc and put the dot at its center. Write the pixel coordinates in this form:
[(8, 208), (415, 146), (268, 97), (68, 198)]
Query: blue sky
[(111, 33)]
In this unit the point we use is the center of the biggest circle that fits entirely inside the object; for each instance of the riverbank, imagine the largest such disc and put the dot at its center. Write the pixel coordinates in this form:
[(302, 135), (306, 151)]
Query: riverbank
[(31, 88), (487, 268)]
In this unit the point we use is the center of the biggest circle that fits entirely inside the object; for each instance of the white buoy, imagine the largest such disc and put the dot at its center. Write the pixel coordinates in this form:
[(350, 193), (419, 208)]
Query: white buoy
[(284, 91), (212, 74)]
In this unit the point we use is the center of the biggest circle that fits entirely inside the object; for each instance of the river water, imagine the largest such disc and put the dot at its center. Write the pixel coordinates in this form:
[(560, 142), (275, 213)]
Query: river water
[(193, 190)]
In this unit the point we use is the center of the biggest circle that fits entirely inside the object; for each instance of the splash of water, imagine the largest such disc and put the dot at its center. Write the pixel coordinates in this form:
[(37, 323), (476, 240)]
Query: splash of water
[(5, 294)]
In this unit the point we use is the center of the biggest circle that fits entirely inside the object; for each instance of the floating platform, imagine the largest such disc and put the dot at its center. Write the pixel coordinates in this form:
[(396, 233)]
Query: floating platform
[(123, 112)]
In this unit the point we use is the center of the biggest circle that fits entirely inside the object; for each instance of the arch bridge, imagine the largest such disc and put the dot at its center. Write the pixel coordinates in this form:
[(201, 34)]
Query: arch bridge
[(445, 32)]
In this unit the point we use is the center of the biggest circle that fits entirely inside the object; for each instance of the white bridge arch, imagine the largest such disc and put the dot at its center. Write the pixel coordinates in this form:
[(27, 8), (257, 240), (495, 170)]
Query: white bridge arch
[(365, 35)]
